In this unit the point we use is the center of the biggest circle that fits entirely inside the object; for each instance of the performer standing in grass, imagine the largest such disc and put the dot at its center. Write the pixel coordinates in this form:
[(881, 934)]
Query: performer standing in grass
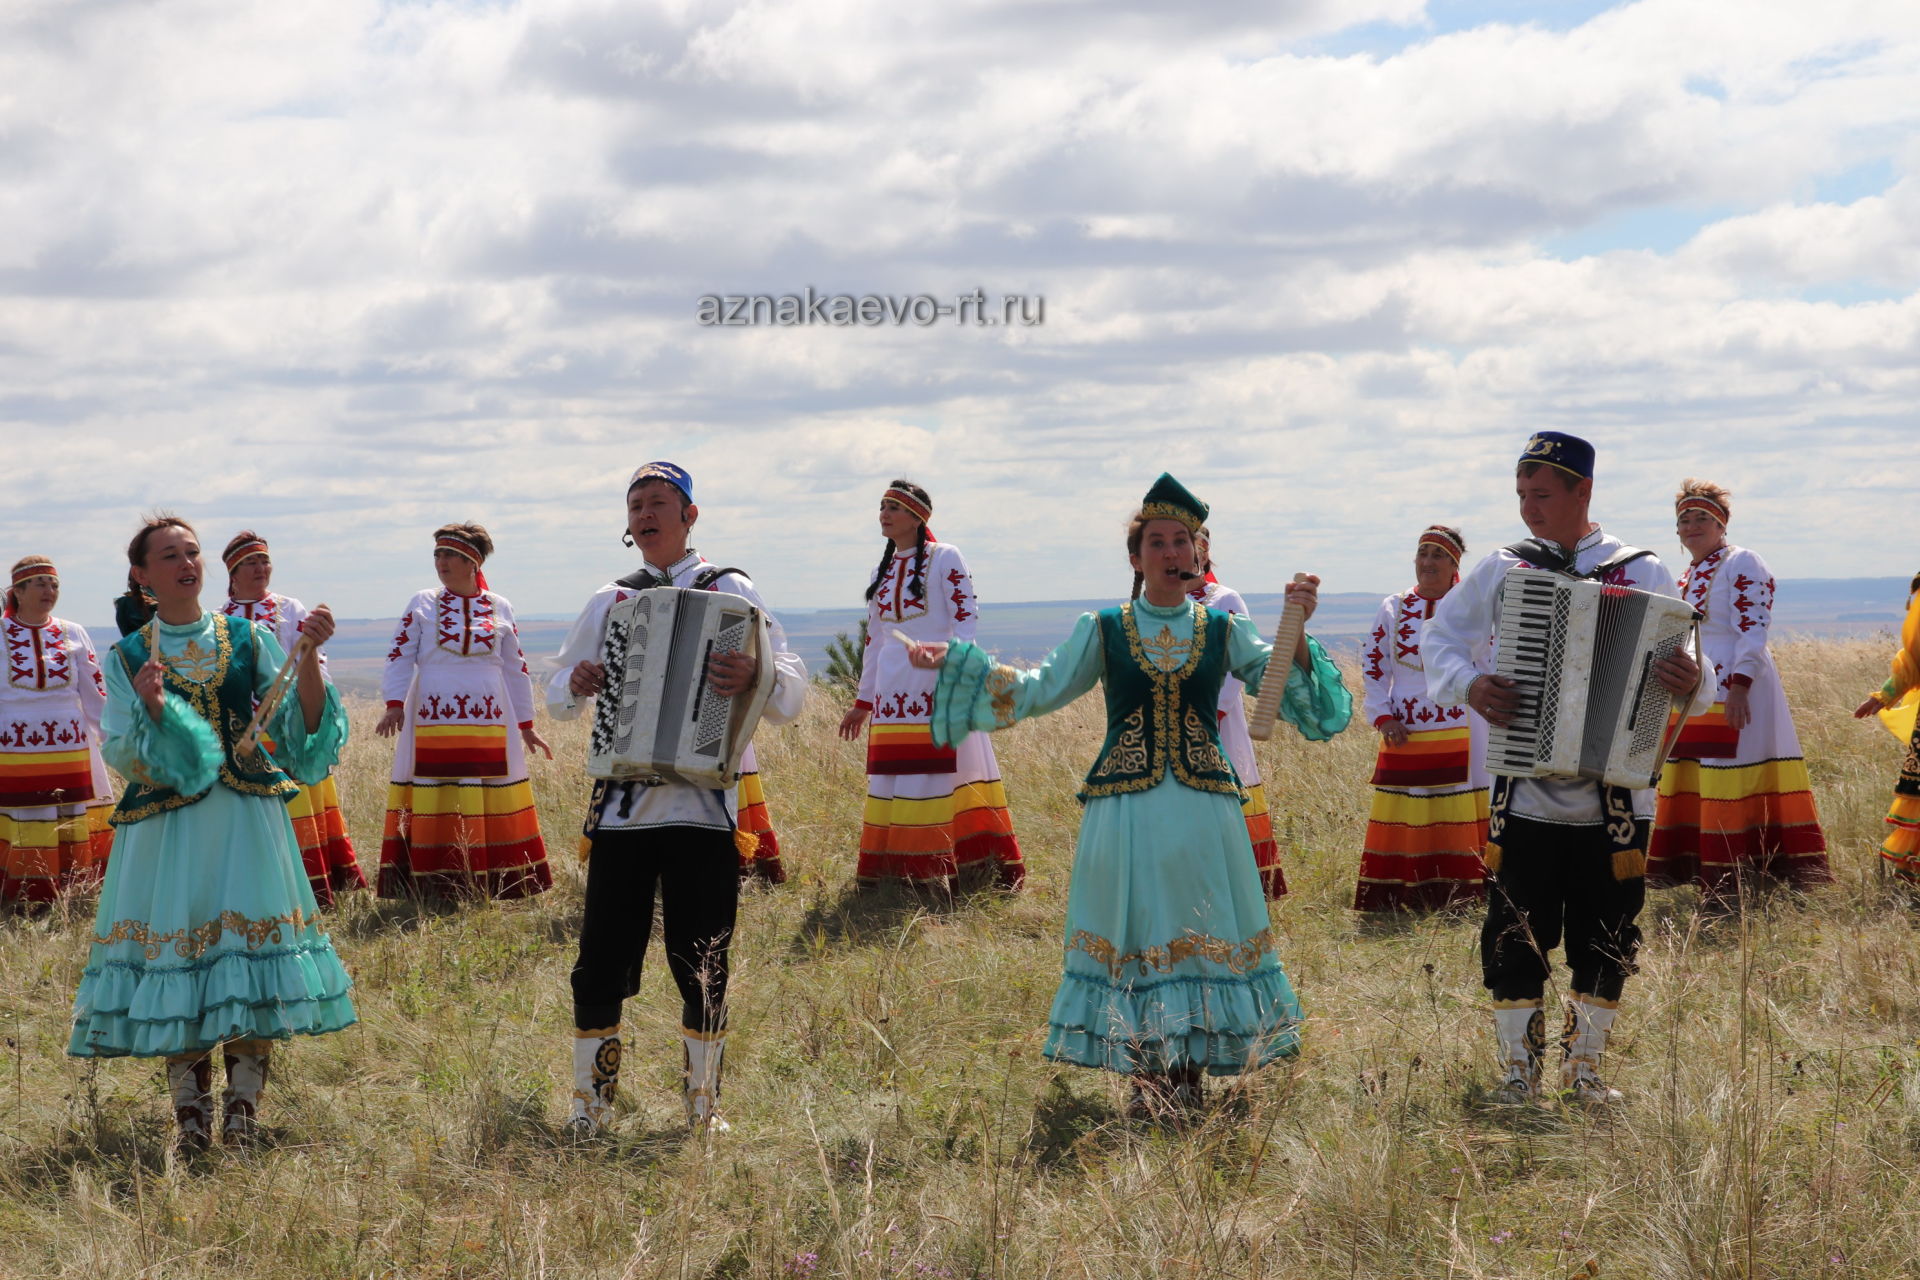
[(206, 934), (1429, 819), (932, 812), (1564, 855), (1896, 702), (325, 849), (1171, 967), (460, 817), (674, 839), (1233, 730), (54, 794), (1735, 798)]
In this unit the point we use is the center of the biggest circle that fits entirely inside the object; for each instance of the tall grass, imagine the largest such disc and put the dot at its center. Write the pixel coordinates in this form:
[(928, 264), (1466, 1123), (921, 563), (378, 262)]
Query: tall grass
[(894, 1118)]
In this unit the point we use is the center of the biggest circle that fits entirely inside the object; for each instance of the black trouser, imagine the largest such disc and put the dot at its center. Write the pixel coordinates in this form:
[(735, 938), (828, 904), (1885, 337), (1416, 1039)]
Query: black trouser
[(1558, 880), (697, 872)]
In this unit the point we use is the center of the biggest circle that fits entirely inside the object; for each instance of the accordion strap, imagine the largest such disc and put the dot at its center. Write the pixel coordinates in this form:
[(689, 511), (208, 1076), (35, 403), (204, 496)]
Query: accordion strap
[(643, 578), (1536, 552)]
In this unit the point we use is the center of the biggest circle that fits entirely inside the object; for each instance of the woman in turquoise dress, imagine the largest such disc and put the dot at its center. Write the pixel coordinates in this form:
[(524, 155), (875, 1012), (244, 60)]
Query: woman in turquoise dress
[(1171, 967), (206, 932)]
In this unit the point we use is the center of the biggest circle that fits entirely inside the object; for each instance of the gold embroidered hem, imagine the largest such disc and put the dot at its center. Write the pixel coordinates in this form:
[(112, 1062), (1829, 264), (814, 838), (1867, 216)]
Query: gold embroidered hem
[(1238, 957), (191, 944)]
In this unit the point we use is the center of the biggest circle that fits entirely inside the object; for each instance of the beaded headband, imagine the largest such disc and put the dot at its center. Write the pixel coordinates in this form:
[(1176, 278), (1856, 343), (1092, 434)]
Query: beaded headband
[(35, 567), (921, 511), (1444, 538), (1701, 502), (257, 547), (459, 546)]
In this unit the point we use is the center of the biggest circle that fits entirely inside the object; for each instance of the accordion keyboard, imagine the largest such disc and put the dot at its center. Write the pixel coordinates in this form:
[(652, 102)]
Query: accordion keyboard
[(1527, 650)]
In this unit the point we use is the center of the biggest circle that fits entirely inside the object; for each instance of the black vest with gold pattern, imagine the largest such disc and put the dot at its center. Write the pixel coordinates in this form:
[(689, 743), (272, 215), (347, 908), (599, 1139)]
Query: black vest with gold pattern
[(1163, 700), (219, 688)]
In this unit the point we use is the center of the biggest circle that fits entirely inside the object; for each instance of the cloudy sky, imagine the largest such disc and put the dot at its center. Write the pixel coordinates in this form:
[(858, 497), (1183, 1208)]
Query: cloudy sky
[(342, 271)]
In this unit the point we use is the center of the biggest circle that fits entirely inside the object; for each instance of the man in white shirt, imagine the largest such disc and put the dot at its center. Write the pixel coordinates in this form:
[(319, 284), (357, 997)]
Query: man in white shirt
[(674, 837), (1565, 857)]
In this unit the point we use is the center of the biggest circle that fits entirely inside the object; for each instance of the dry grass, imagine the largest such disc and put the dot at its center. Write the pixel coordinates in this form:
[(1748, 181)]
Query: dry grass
[(893, 1117)]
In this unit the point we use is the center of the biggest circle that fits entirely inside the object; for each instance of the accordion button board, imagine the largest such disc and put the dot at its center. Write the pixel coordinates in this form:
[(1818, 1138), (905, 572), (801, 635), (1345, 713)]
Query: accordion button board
[(1582, 654), (658, 719)]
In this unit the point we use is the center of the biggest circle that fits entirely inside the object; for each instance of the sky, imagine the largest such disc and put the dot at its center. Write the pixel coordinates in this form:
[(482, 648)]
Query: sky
[(341, 272)]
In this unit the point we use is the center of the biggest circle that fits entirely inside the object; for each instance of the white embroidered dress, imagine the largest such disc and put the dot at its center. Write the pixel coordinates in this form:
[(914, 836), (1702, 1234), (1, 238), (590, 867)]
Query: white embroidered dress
[(50, 708)]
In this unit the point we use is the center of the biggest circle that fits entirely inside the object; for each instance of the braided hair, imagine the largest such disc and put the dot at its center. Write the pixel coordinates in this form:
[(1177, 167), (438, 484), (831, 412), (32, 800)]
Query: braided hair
[(916, 583), (1136, 532)]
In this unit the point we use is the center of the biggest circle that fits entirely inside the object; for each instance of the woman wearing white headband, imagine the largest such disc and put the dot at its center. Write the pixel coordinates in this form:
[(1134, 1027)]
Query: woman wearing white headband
[(1735, 799), (54, 795), (460, 817)]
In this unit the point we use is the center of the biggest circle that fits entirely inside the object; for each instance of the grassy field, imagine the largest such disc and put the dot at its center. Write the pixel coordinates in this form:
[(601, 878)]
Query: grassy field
[(893, 1116)]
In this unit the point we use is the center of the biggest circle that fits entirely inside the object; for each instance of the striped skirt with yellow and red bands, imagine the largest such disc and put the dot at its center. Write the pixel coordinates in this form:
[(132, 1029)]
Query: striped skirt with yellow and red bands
[(1902, 847), (462, 838), (51, 850), (1428, 825), (1266, 854), (925, 828), (762, 862), (1714, 821), (325, 850)]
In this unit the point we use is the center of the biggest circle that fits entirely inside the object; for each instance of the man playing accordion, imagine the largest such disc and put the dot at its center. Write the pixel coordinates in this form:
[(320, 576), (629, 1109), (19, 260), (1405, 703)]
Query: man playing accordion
[(1566, 857), (674, 836)]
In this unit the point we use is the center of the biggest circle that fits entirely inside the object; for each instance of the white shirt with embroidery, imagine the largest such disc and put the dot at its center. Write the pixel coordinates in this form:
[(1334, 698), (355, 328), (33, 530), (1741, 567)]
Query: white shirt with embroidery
[(1461, 645), (945, 609), (54, 693), (672, 804), (457, 660), (282, 615)]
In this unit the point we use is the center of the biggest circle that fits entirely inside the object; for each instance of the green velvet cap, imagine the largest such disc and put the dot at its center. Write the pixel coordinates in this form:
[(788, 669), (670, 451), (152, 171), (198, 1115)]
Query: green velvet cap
[(1169, 500)]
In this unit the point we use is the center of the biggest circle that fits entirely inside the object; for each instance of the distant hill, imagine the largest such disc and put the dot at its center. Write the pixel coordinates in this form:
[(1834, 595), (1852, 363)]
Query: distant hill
[(1024, 632)]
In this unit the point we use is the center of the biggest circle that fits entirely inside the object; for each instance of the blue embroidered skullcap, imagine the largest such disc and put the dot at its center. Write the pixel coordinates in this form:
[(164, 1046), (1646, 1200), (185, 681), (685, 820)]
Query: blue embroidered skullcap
[(674, 475), (1557, 449), (1169, 500)]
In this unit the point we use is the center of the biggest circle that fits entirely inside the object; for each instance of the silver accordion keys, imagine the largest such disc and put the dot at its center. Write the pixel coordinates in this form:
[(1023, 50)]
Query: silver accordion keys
[(658, 718), (1583, 654)]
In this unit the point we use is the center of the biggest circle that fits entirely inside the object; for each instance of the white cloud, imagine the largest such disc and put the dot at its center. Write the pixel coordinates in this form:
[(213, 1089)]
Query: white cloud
[(344, 271)]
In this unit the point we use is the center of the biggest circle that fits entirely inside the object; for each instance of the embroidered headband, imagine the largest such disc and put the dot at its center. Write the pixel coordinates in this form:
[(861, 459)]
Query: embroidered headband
[(1701, 502), (35, 567), (258, 547), (459, 546), (1448, 540), (921, 511)]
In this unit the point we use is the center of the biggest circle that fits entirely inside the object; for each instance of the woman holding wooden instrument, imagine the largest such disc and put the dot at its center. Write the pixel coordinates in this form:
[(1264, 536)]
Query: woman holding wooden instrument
[(206, 933), (460, 818), (325, 849), (54, 794), (1172, 970)]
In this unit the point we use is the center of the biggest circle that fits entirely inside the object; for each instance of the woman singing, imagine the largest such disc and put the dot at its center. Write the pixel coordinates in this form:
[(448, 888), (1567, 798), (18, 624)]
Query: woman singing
[(206, 933), (1172, 970)]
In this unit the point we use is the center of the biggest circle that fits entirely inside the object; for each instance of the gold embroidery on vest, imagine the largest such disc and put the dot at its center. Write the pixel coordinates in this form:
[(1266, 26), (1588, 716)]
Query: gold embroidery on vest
[(1129, 754), (1166, 653)]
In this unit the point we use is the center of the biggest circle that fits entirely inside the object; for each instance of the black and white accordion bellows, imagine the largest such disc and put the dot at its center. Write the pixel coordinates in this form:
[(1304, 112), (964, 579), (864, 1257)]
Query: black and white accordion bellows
[(1583, 653), (658, 718)]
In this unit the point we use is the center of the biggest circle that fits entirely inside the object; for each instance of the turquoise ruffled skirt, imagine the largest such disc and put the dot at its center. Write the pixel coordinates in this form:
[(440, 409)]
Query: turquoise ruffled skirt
[(206, 932), (1170, 959)]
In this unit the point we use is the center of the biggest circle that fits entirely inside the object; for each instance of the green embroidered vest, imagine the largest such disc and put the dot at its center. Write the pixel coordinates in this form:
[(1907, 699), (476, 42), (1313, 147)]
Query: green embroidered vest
[(1163, 701), (219, 688)]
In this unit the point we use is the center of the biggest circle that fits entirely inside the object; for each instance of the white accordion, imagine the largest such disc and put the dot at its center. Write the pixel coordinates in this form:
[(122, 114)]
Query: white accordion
[(1582, 653), (658, 719)]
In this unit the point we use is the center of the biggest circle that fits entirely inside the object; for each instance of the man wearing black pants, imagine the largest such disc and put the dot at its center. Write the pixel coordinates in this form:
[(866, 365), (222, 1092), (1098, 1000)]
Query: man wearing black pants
[(673, 838), (1566, 858)]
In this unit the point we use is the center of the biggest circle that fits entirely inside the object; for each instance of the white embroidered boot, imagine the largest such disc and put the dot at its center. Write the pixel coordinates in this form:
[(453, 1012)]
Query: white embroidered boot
[(1589, 1022), (246, 1077), (1521, 1028), (702, 1052), (190, 1083), (596, 1075)]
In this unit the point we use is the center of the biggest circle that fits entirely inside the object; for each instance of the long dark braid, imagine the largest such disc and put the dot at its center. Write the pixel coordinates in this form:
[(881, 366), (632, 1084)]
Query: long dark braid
[(918, 581), (1136, 531), (879, 574)]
